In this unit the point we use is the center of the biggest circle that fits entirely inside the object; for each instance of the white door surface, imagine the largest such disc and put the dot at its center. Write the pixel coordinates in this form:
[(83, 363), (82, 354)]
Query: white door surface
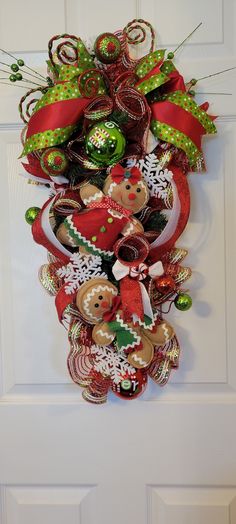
[(168, 457)]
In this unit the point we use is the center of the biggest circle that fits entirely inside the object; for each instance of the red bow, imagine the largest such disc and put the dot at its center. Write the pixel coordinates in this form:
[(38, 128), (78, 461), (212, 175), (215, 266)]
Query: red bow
[(119, 174), (109, 316)]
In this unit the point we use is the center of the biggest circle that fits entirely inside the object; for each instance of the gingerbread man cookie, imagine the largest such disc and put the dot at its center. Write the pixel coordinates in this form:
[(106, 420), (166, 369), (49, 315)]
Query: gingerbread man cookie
[(108, 214)]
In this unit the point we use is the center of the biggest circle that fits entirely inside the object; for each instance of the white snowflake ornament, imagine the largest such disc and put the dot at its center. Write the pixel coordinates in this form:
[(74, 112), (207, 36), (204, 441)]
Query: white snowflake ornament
[(110, 362), (80, 269), (157, 178)]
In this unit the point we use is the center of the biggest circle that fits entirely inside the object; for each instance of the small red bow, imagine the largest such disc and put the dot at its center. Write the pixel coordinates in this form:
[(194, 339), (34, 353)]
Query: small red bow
[(119, 174), (109, 316)]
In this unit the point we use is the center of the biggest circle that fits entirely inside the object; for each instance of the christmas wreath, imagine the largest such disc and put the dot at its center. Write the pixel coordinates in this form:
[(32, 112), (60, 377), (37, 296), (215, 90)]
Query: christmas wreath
[(113, 138)]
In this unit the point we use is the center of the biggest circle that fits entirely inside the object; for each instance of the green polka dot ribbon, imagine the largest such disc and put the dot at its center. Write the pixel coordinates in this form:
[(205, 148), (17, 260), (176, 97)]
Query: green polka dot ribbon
[(57, 113), (150, 73), (178, 120)]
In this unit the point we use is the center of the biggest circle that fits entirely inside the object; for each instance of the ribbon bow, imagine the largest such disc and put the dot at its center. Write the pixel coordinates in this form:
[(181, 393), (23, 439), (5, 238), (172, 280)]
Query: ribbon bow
[(134, 293), (109, 316), (119, 174)]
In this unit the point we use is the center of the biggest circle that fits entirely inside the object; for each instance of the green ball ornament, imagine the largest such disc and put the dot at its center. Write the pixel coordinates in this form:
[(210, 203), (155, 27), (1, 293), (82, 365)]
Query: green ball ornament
[(170, 55), (54, 161), (107, 48), (183, 302), (19, 76), (31, 214), (12, 78), (14, 67), (20, 62), (105, 144)]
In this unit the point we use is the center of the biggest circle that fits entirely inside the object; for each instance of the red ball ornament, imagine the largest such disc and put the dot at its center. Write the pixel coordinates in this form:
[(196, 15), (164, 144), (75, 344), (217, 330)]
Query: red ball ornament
[(131, 386), (165, 284)]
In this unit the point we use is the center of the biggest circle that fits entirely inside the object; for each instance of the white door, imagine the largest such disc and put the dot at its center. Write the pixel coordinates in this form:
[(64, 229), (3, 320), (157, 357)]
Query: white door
[(170, 456)]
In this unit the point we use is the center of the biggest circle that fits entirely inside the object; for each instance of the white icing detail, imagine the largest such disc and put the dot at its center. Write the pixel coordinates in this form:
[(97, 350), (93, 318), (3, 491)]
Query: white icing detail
[(129, 229), (111, 188), (139, 360), (165, 331), (141, 323), (115, 214), (106, 335), (137, 338), (93, 198), (91, 295)]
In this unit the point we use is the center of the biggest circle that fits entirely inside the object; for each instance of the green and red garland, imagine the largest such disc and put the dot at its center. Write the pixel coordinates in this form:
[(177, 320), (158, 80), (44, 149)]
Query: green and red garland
[(112, 139)]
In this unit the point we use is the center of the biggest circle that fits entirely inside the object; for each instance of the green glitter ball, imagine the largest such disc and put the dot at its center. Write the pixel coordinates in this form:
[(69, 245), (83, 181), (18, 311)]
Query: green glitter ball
[(54, 161), (20, 62), (107, 48), (170, 55), (183, 302), (31, 214), (105, 144)]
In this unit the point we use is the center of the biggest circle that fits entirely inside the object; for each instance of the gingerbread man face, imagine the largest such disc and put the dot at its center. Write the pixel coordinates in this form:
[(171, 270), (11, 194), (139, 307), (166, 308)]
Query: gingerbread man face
[(94, 298), (128, 190)]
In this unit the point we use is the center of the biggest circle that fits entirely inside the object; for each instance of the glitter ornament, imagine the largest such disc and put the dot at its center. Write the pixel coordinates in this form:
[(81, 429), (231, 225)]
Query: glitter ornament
[(183, 302), (131, 386), (31, 214), (165, 284), (54, 162), (105, 144), (107, 48)]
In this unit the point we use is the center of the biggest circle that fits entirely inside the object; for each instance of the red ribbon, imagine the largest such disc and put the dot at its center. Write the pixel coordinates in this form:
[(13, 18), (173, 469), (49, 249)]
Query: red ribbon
[(34, 168), (119, 174), (41, 238), (175, 82), (63, 300), (175, 116), (59, 114), (109, 316), (131, 297)]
